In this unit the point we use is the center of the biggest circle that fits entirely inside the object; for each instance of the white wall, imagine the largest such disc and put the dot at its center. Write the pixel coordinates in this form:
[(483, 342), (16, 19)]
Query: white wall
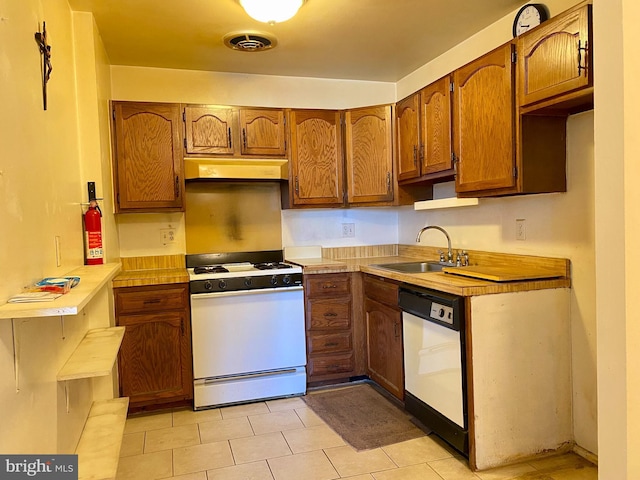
[(617, 100), (42, 185), (373, 226)]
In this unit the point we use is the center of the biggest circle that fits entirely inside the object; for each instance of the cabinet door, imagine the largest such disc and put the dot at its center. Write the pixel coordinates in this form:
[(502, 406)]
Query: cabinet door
[(148, 157), (384, 346), (369, 155), (155, 357), (407, 125), (435, 125), (263, 132), (209, 129), (555, 57), (484, 122), (316, 157)]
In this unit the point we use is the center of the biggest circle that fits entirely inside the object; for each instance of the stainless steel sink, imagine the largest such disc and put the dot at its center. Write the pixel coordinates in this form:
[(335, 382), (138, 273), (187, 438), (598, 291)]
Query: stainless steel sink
[(413, 267)]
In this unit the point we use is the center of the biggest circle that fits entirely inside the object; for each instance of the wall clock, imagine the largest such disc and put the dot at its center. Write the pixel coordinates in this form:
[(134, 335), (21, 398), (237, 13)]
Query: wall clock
[(529, 16)]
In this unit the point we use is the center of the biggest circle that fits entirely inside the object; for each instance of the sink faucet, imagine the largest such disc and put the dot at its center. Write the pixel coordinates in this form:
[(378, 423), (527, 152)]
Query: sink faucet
[(449, 251)]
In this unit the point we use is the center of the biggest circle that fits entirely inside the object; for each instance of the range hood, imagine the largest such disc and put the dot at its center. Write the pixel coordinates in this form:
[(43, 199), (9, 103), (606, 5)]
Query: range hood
[(236, 169)]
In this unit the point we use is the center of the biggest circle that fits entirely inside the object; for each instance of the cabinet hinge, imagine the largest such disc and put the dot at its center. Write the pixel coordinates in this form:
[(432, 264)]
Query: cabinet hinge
[(515, 172), (118, 199), (514, 57), (184, 116), (113, 113), (451, 86), (184, 142)]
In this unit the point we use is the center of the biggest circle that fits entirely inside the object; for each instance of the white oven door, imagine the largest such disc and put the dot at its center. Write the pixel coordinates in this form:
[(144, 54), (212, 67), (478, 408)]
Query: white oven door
[(235, 333)]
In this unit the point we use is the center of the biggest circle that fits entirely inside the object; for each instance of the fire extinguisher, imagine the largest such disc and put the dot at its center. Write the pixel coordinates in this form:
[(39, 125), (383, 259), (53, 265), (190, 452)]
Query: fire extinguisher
[(94, 253)]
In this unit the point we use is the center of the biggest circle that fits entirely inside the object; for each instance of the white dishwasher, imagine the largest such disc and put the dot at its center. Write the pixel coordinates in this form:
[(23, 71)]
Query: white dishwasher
[(434, 362)]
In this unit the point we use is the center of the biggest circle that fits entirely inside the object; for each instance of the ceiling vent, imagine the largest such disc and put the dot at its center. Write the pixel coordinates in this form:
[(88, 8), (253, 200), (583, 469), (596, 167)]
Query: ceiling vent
[(250, 41)]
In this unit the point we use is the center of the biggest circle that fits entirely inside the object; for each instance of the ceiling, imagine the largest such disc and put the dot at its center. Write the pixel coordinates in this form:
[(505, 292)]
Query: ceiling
[(375, 40)]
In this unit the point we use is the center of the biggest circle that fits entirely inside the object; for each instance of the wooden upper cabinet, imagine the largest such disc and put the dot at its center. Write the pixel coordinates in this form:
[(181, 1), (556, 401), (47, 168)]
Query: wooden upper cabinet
[(555, 58), (316, 157), (484, 123), (435, 126), (230, 131), (263, 132), (369, 155), (209, 130), (408, 137), (148, 157)]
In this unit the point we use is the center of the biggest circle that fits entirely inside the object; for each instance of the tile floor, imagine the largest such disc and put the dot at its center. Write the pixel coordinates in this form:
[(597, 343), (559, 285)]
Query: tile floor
[(284, 440)]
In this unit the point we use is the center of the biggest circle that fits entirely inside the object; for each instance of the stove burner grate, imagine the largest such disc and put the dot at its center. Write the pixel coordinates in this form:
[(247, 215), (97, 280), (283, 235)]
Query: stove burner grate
[(271, 266), (209, 269)]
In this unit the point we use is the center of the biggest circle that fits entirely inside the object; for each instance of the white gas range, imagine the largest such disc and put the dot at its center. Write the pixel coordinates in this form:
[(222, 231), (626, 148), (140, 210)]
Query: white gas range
[(248, 330)]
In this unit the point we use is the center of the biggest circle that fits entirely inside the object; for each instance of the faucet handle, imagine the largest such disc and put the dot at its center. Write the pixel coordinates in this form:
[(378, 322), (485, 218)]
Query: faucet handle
[(441, 255), (465, 258)]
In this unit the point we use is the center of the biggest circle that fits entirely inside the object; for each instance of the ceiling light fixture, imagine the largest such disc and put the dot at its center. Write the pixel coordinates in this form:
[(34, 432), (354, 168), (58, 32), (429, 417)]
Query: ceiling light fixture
[(271, 11)]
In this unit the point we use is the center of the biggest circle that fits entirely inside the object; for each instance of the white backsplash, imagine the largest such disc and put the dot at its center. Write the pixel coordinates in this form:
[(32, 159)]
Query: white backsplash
[(372, 226)]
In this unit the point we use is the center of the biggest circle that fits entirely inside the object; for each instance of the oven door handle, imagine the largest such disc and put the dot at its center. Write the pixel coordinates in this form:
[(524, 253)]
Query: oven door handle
[(236, 293)]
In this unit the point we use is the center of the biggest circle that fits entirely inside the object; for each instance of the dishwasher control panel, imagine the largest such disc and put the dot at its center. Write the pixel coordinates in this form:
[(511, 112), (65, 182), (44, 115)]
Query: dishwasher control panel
[(433, 306), (442, 313)]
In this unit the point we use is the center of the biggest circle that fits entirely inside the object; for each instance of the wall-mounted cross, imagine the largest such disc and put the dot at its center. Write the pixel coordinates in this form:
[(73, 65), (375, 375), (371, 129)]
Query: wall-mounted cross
[(45, 52)]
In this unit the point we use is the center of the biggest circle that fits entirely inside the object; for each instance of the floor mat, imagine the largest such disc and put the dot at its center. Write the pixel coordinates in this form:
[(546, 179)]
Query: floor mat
[(362, 416)]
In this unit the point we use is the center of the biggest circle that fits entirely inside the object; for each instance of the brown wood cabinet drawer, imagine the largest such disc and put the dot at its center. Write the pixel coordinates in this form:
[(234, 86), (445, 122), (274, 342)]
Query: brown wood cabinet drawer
[(381, 291), (333, 284), (150, 299), (331, 364), (329, 314), (329, 343)]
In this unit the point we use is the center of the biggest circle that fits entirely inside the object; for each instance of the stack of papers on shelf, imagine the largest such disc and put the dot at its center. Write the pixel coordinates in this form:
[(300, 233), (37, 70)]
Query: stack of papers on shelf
[(46, 290), (28, 297)]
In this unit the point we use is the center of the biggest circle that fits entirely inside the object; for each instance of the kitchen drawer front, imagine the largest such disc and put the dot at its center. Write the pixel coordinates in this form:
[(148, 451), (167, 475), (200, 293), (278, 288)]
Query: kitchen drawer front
[(329, 365), (147, 299), (329, 343), (329, 285), (381, 291), (329, 314)]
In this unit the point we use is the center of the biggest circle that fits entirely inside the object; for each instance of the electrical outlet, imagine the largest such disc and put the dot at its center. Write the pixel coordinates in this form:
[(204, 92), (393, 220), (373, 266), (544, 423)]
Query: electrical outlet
[(348, 229), (521, 229), (167, 236)]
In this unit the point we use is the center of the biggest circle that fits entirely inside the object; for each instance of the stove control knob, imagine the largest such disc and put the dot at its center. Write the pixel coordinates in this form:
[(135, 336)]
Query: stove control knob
[(286, 279), (441, 313), (222, 284), (247, 282), (274, 280), (208, 285)]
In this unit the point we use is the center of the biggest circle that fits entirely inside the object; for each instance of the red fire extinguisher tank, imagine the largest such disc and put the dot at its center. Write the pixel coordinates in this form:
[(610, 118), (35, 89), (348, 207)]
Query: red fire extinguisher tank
[(94, 253)]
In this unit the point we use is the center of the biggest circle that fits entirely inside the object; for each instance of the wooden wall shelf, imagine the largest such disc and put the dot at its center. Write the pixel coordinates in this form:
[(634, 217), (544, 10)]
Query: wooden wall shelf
[(99, 446), (94, 356), (92, 279), (445, 203)]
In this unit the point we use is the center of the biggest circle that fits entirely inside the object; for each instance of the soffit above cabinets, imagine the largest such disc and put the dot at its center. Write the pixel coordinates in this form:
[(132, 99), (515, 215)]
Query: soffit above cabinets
[(374, 40)]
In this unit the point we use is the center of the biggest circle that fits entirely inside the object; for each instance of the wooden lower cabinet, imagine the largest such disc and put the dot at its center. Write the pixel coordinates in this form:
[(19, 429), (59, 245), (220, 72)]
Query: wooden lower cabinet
[(383, 323), (154, 363), (332, 332)]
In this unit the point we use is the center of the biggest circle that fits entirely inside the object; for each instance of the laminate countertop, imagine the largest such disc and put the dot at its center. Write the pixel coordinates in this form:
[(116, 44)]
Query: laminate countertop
[(441, 281), (152, 270)]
